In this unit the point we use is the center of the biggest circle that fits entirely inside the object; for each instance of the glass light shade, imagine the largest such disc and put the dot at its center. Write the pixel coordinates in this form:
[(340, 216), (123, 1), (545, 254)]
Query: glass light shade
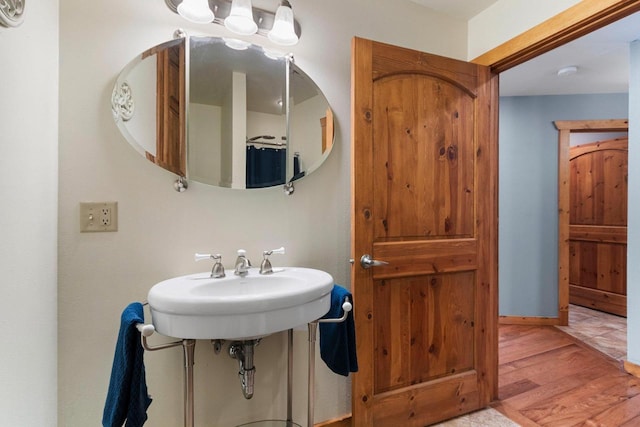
[(240, 19), (236, 44), (197, 11), (273, 54), (283, 32)]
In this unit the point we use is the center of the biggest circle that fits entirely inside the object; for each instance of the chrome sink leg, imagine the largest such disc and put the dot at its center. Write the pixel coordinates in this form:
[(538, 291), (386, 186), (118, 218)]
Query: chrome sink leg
[(311, 373), (290, 377), (188, 346)]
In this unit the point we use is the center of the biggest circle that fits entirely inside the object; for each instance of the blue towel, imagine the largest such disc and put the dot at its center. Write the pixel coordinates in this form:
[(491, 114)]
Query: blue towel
[(127, 398), (338, 340)]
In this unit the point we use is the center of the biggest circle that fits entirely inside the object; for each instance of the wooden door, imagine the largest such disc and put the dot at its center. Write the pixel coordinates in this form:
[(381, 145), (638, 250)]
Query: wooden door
[(171, 152), (598, 225), (424, 199)]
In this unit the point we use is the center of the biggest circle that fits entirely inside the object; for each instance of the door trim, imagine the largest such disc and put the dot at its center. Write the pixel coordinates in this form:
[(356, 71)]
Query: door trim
[(573, 23), (565, 128)]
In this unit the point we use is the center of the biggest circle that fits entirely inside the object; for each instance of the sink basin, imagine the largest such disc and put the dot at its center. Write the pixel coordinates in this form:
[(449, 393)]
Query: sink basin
[(200, 307)]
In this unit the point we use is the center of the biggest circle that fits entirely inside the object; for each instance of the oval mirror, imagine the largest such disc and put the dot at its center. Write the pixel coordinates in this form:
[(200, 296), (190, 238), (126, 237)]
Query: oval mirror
[(223, 112)]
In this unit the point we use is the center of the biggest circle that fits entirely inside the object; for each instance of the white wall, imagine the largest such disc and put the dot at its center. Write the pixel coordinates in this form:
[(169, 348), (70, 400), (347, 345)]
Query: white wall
[(266, 124), (239, 130), (160, 229), (306, 134), (633, 214), (28, 222), (204, 143)]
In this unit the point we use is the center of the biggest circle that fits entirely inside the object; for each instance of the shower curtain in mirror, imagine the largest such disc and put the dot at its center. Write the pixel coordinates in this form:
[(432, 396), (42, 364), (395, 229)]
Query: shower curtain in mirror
[(266, 167)]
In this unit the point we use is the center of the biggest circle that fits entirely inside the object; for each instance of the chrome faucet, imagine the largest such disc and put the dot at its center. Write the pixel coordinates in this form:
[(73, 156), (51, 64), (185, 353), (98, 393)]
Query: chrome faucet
[(242, 263), (265, 266), (217, 271)]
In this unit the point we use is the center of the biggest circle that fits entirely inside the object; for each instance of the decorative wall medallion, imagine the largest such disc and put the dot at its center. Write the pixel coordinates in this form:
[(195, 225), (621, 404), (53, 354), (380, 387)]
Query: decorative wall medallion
[(11, 12), (122, 104)]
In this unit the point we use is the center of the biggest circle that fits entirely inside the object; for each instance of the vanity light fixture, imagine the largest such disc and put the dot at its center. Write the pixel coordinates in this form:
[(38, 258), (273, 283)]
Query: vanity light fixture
[(283, 32), (236, 44), (197, 11), (241, 18)]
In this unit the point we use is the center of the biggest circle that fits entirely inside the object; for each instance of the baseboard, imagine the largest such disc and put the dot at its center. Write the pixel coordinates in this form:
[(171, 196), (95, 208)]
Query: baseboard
[(632, 368), (596, 299), (344, 421), (531, 321)]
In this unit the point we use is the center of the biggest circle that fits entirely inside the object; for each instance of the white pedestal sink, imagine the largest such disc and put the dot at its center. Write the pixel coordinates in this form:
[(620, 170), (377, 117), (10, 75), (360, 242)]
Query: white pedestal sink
[(234, 307)]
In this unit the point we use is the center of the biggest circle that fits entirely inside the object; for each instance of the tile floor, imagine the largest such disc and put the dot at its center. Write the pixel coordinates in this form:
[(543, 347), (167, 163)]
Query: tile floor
[(606, 333), (484, 418)]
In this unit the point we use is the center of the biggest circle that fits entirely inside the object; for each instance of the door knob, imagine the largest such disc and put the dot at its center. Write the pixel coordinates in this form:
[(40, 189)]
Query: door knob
[(367, 262)]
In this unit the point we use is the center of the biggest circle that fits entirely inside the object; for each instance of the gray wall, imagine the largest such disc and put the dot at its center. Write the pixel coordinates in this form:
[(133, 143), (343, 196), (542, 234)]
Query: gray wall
[(528, 253)]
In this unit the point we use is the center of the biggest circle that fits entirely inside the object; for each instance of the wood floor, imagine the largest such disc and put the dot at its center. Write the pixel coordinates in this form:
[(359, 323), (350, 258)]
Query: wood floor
[(548, 378), (559, 376)]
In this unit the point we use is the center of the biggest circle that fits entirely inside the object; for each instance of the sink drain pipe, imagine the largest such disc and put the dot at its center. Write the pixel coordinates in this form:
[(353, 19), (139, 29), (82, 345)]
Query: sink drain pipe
[(243, 351)]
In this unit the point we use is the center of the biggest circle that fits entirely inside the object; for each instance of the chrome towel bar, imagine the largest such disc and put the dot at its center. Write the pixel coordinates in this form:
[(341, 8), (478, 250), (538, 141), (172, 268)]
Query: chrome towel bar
[(346, 308)]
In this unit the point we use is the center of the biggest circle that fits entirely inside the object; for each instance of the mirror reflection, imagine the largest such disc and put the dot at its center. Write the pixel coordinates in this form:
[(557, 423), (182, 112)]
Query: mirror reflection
[(236, 117)]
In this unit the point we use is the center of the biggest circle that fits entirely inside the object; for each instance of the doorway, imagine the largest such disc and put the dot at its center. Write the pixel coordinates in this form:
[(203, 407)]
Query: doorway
[(581, 19), (579, 246), (577, 234), (544, 38)]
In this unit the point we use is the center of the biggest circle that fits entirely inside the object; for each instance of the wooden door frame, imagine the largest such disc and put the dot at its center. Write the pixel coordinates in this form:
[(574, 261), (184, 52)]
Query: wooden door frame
[(575, 22), (565, 129), (571, 24)]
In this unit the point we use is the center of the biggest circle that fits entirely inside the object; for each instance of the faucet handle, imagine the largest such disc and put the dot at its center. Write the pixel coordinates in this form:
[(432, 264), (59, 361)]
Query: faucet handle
[(200, 257), (279, 251), (218, 270), (265, 266)]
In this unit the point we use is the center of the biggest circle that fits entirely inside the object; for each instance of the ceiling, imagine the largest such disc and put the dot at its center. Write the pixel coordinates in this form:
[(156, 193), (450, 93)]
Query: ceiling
[(602, 57), (465, 9)]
